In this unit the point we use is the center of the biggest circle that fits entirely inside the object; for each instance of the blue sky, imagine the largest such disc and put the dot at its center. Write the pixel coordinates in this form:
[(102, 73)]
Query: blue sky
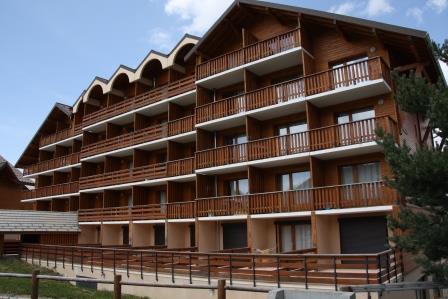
[(50, 50)]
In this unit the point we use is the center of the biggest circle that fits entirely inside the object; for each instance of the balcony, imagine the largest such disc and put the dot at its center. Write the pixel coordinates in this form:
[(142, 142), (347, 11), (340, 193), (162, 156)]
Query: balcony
[(177, 210), (147, 98), (172, 128), (52, 164), (278, 50), (319, 198), (351, 82), (60, 190), (335, 136), (59, 136), (139, 174)]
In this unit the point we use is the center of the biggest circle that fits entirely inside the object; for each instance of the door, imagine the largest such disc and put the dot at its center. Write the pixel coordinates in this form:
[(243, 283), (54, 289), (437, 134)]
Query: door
[(363, 235), (234, 235), (360, 183), (294, 236), (299, 181), (159, 235), (356, 126), (291, 142), (350, 72), (238, 202), (125, 230), (238, 147)]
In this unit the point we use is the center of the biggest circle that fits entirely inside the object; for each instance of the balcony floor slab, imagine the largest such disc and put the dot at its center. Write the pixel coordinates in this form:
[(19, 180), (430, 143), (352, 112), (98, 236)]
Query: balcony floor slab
[(260, 67)]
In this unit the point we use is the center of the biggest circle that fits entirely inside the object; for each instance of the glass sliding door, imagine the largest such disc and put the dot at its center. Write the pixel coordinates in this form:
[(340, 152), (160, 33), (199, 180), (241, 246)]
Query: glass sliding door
[(350, 72), (356, 126), (294, 236), (291, 141)]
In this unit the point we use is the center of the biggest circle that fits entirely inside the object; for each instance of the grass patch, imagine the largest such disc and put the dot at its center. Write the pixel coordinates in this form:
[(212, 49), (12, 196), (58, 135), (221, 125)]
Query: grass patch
[(47, 288)]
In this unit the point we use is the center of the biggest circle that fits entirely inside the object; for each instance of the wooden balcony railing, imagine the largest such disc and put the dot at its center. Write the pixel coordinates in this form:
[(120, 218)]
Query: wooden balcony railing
[(54, 190), (52, 164), (125, 140), (319, 198), (322, 138), (147, 98), (181, 125), (136, 174), (58, 136), (176, 210), (181, 210), (332, 79), (258, 50), (175, 127), (305, 270), (180, 167)]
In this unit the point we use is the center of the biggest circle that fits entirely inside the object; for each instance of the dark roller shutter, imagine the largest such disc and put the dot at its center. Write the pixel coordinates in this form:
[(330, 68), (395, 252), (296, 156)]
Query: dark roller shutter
[(234, 235), (363, 235)]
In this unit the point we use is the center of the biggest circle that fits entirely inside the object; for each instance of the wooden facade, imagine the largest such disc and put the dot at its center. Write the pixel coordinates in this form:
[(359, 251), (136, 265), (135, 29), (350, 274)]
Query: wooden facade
[(268, 123)]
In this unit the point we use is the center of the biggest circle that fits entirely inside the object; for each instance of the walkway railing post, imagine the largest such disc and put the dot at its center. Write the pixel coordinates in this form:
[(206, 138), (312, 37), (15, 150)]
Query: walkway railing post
[(305, 268), (335, 274), (278, 271), (367, 270), (63, 257), (253, 271), (117, 287), (221, 289), (141, 264), (157, 274), (35, 285), (230, 269), (189, 268), (91, 260), (127, 263)]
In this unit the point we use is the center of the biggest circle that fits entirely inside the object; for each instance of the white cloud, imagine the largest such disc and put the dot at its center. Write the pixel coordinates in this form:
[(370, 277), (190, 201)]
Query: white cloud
[(198, 15), (416, 13), (343, 8), (378, 7), (160, 39), (437, 5)]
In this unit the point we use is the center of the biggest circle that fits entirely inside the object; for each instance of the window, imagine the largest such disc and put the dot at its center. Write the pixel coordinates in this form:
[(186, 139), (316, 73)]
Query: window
[(300, 182), (162, 200), (361, 173), (238, 187), (292, 128), (295, 181), (294, 236), (350, 133), (238, 153), (350, 72), (236, 139), (352, 175), (292, 142)]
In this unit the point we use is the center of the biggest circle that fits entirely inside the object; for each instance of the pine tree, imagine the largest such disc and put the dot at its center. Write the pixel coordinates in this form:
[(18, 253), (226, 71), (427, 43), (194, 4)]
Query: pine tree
[(421, 175)]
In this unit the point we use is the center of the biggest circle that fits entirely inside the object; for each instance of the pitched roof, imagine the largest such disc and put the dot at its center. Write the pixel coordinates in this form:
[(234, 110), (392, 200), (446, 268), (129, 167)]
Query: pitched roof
[(38, 221), (18, 175), (65, 109)]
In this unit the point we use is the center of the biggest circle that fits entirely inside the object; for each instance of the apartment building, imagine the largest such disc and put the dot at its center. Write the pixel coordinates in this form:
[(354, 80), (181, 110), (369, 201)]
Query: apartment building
[(258, 137)]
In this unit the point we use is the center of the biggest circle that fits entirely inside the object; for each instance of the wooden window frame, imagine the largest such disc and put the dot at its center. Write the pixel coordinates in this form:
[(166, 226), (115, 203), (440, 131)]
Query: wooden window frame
[(355, 170), (290, 175), (237, 180), (291, 223)]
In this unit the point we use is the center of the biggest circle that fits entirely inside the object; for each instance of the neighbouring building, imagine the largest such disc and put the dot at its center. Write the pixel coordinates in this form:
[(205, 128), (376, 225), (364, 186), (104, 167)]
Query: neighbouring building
[(258, 137)]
